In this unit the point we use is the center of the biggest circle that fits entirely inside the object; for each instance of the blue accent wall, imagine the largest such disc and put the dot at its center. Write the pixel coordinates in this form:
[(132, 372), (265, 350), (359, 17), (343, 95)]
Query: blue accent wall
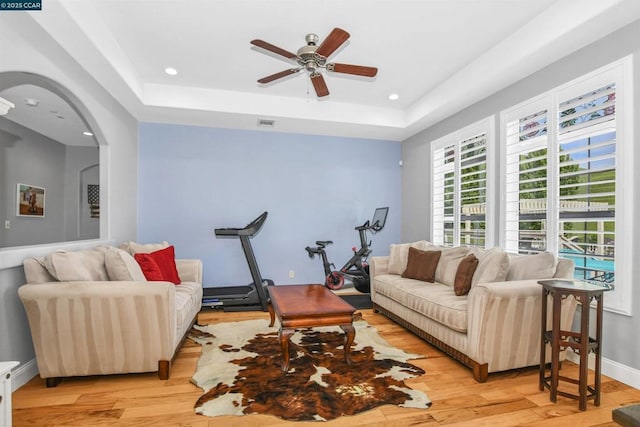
[(194, 179)]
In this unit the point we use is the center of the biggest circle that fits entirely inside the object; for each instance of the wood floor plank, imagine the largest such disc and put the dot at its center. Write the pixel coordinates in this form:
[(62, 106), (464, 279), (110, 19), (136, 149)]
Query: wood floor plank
[(506, 399)]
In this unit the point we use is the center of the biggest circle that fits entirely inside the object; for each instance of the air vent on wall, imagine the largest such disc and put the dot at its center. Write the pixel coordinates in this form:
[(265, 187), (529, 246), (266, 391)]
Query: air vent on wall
[(266, 123)]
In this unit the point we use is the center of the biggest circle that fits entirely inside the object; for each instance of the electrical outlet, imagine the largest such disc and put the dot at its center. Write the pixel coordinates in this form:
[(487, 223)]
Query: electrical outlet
[(292, 274), (7, 225)]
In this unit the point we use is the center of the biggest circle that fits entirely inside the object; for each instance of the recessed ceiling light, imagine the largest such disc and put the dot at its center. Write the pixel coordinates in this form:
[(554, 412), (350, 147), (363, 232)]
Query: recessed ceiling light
[(171, 71), (31, 102), (87, 133), (394, 97)]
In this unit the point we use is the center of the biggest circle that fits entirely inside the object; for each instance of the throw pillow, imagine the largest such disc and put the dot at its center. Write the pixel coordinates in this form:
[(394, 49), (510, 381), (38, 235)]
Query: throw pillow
[(538, 266), (421, 265), (150, 267), (399, 255), (464, 274), (122, 266), (85, 265), (493, 265), (136, 248), (448, 264), (165, 261)]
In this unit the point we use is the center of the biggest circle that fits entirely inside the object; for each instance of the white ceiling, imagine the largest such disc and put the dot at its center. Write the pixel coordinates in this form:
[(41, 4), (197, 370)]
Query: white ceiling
[(438, 55), (52, 116)]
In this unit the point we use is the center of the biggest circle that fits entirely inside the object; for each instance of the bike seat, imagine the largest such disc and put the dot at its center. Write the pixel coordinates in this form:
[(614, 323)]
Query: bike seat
[(323, 243)]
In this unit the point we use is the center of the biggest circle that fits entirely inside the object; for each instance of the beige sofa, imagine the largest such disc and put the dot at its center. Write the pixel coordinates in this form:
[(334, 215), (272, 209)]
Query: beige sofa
[(495, 327), (92, 312)]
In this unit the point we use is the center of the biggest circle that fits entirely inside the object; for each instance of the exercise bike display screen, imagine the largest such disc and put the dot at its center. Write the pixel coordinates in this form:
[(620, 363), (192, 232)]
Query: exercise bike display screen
[(379, 218)]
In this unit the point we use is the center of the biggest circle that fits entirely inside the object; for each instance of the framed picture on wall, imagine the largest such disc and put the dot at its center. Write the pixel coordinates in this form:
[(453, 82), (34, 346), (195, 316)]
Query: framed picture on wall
[(30, 201)]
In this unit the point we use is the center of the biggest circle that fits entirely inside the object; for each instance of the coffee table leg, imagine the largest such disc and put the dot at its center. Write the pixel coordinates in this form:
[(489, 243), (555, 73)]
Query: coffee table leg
[(272, 314), (350, 334), (284, 335)]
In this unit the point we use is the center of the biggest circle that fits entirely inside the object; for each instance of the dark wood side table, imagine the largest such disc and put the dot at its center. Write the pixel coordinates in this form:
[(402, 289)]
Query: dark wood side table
[(580, 342)]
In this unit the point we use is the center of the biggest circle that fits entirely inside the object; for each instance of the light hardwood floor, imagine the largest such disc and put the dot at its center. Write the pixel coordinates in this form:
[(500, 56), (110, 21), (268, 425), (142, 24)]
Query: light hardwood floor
[(506, 399)]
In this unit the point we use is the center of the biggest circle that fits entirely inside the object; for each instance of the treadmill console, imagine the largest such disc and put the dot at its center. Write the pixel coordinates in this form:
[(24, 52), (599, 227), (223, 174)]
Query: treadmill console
[(249, 230)]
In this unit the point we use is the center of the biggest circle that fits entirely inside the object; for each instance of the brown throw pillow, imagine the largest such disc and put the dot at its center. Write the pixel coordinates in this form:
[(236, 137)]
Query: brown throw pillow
[(464, 274), (421, 265)]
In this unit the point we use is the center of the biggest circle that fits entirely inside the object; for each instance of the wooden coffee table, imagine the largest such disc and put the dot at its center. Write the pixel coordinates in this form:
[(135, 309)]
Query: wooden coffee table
[(306, 306)]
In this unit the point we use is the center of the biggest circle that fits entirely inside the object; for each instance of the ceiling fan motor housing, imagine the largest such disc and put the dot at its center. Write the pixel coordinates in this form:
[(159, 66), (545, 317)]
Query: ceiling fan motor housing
[(307, 57)]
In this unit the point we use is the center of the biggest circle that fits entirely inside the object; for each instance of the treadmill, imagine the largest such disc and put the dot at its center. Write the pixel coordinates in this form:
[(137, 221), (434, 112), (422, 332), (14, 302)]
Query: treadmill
[(251, 297)]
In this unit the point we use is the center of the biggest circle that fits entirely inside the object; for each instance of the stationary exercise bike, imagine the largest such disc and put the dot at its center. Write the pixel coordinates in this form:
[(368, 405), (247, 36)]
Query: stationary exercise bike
[(356, 269)]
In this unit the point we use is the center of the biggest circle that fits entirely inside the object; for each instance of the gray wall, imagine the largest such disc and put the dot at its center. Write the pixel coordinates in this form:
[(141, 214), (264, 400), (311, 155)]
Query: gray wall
[(28, 157), (620, 344), (26, 47)]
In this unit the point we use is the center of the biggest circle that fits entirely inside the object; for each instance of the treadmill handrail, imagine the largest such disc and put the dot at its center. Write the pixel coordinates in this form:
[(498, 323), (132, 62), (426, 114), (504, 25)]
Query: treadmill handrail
[(249, 230)]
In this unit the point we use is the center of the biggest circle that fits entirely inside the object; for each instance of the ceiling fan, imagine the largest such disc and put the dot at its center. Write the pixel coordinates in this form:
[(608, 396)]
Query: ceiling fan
[(314, 58)]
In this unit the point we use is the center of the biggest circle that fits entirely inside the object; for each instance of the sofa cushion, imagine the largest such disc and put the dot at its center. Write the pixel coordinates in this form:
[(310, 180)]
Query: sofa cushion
[(144, 248), (35, 271), (121, 265), (434, 300), (448, 264), (188, 300), (464, 274), (86, 265), (399, 254), (493, 265), (538, 266), (421, 265)]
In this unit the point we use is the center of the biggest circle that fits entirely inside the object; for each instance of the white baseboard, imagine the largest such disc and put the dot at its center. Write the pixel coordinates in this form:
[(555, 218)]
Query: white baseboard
[(619, 372), (23, 374)]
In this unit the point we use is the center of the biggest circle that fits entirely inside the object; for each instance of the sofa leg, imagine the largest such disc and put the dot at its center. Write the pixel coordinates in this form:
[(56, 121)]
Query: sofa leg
[(52, 382), (481, 372), (164, 366)]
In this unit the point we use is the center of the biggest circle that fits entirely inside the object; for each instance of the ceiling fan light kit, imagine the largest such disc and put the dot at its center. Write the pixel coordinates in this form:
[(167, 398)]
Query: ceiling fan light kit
[(313, 59)]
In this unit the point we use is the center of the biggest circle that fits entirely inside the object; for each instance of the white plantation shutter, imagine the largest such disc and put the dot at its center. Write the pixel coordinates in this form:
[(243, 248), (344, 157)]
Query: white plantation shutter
[(587, 183), (526, 192), (443, 195), (473, 190), (566, 154), (459, 187)]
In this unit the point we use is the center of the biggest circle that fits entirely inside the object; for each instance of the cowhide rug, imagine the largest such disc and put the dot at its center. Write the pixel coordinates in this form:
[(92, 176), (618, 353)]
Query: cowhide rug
[(240, 372)]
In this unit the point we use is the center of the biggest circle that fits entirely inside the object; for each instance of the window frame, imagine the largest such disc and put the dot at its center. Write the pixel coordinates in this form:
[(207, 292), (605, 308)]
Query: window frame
[(620, 73), (486, 126)]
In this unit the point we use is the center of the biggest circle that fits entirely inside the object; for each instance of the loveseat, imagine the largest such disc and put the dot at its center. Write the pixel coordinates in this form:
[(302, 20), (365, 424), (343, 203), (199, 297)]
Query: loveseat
[(94, 312), (495, 326)]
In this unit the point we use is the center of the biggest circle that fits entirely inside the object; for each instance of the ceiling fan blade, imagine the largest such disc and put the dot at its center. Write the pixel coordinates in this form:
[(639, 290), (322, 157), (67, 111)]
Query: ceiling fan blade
[(319, 84), (279, 75), (275, 49), (333, 41), (358, 70)]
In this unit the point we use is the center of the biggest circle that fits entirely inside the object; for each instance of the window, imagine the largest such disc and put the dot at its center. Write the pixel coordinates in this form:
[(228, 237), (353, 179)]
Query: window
[(461, 186), (563, 163)]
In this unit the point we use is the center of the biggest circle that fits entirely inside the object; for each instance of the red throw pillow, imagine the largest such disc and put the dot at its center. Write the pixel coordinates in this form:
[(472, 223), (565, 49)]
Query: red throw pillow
[(150, 268), (165, 265)]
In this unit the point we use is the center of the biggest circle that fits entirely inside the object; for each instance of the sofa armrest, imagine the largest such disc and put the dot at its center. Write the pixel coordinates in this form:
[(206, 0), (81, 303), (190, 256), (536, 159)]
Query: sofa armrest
[(504, 323), (189, 270), (91, 328), (378, 265)]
